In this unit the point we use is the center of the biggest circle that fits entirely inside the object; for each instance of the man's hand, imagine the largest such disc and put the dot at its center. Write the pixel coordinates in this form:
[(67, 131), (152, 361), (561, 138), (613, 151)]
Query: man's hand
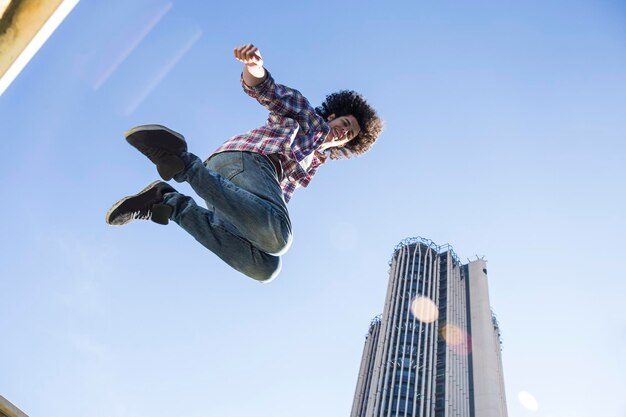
[(253, 73)]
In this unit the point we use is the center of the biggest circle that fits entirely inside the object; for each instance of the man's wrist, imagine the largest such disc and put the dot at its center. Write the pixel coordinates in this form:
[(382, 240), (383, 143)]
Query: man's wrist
[(257, 72), (254, 76)]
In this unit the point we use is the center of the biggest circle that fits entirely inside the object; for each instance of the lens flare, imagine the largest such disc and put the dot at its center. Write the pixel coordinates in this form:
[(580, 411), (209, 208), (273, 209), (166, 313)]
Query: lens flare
[(528, 401), (456, 338), (344, 237), (132, 44), (452, 334), (424, 310)]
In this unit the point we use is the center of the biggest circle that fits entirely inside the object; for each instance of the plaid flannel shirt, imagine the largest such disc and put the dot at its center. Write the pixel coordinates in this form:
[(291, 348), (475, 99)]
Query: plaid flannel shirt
[(293, 131)]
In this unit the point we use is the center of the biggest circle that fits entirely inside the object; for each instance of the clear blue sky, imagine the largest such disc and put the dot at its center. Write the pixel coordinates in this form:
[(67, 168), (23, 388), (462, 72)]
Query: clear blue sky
[(506, 137)]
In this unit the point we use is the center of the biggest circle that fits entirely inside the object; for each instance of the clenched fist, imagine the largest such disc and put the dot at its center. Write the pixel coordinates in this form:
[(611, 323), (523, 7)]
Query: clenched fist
[(253, 63)]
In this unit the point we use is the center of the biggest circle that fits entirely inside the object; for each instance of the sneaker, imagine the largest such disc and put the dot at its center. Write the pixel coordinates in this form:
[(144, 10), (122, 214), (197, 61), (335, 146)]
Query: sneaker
[(161, 145), (146, 205)]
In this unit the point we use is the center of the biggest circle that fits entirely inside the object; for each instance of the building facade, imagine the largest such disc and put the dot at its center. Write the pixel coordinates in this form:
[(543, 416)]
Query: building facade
[(435, 351)]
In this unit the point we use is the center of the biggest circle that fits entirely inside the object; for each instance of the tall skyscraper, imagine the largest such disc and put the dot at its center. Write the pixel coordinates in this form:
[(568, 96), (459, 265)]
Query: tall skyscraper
[(435, 351)]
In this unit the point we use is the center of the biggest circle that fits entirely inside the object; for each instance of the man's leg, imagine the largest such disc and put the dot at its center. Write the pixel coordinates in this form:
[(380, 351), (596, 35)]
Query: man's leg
[(247, 229), (221, 238), (159, 202), (241, 186)]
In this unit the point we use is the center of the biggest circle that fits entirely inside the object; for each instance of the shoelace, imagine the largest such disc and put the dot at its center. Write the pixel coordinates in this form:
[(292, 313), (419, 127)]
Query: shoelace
[(145, 214)]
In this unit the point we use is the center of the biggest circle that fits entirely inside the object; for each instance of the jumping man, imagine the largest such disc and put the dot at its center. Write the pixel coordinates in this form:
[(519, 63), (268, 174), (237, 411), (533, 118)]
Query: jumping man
[(248, 181)]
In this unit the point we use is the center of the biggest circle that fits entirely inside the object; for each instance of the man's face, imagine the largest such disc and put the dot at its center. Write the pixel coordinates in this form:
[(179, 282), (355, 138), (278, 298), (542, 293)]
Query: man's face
[(342, 130)]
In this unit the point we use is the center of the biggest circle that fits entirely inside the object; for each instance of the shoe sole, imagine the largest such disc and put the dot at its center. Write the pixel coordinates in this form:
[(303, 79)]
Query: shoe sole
[(119, 203), (169, 166), (143, 128)]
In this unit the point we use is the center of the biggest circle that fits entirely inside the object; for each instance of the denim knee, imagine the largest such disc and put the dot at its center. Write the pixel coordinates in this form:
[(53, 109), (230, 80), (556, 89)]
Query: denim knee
[(266, 271), (276, 241)]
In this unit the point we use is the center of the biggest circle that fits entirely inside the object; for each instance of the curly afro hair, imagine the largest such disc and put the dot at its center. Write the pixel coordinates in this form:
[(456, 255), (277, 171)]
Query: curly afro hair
[(347, 102)]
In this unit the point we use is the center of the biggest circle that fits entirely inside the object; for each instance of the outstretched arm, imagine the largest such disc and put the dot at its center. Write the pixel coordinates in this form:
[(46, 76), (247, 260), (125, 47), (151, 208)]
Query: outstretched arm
[(280, 100), (253, 71)]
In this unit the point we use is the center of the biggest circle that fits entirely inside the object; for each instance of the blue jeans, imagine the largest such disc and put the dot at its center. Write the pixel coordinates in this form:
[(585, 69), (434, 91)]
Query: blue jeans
[(246, 222)]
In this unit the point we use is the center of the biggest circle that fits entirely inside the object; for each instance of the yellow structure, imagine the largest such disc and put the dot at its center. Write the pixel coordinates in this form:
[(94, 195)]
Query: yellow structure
[(25, 25), (9, 410)]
